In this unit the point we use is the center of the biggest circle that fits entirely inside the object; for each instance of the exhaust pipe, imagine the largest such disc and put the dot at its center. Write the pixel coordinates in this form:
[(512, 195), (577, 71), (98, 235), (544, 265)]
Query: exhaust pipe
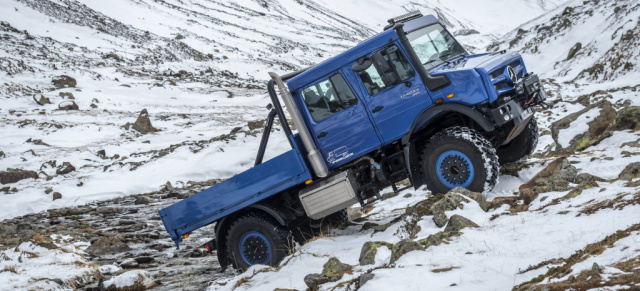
[(317, 162)]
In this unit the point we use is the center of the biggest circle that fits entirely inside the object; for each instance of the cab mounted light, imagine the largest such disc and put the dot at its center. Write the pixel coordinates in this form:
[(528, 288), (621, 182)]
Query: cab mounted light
[(185, 236), (403, 18)]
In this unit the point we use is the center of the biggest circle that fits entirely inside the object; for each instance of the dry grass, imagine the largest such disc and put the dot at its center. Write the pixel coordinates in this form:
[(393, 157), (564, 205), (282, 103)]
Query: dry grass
[(444, 270), (11, 269)]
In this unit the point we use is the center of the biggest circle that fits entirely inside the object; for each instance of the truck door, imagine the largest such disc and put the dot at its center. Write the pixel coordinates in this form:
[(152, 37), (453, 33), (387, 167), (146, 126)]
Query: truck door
[(338, 120), (393, 91)]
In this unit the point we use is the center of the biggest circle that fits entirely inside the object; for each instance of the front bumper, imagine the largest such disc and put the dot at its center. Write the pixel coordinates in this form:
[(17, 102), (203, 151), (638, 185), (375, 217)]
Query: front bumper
[(519, 110)]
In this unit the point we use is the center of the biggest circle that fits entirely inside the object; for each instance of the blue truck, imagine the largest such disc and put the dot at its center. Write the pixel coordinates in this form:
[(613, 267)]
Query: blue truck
[(409, 103)]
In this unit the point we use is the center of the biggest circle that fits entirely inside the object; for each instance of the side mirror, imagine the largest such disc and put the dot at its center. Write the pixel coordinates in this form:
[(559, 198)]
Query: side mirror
[(387, 74), (362, 64)]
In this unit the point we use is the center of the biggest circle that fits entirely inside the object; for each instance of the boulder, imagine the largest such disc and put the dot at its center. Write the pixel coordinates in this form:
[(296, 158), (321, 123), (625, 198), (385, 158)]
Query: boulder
[(630, 172), (574, 50), (554, 177), (42, 100), (56, 196), (364, 278), (65, 168), (440, 219), (257, 124), (478, 197), (451, 201), (15, 175), (143, 123), (332, 271), (107, 245), (63, 81), (403, 247), (143, 200), (458, 222), (67, 95), (598, 128), (437, 239), (627, 118), (369, 251), (68, 105)]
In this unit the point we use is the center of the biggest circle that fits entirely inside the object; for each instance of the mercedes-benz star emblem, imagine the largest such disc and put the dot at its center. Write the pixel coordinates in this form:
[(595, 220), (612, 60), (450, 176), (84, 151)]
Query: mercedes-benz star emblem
[(512, 74)]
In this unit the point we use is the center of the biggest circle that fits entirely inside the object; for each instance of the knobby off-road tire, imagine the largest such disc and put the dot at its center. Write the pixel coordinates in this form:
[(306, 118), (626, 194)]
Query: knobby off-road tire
[(459, 157), (521, 147), (257, 239)]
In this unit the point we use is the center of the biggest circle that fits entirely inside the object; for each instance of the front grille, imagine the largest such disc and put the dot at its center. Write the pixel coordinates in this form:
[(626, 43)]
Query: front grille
[(496, 73)]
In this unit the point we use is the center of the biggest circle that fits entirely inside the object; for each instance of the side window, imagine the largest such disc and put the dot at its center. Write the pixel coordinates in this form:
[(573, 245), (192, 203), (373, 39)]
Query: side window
[(328, 97), (397, 62)]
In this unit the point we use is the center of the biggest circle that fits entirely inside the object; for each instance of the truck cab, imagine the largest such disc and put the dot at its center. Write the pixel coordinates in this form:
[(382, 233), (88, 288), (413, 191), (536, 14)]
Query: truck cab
[(409, 103)]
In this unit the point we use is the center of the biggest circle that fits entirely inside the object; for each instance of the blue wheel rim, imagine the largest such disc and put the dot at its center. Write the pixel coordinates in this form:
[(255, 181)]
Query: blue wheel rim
[(454, 169), (255, 248)]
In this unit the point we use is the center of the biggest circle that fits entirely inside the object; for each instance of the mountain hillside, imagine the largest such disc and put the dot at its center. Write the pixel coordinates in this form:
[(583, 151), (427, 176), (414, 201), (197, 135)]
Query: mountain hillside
[(113, 110)]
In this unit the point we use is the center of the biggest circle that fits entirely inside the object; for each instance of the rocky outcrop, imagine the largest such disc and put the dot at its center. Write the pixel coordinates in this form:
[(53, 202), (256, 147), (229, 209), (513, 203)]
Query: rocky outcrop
[(403, 247), (369, 251), (458, 222), (332, 271), (63, 81), (15, 175), (133, 280), (42, 100), (438, 238), (554, 177), (65, 168), (107, 245), (599, 128)]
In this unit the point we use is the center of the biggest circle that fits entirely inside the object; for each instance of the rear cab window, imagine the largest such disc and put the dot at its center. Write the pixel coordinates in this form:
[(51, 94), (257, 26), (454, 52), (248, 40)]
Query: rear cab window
[(328, 97), (398, 63)]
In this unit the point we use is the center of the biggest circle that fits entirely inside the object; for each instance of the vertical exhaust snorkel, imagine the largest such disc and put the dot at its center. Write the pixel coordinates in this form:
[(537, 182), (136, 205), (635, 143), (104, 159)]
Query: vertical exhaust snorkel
[(315, 158)]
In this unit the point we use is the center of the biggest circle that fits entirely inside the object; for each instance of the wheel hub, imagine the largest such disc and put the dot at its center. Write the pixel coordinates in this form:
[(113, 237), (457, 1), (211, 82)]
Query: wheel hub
[(454, 169), (255, 248)]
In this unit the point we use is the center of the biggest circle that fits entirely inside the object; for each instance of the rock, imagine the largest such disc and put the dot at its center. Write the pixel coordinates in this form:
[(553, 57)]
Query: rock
[(585, 177), (440, 219), (437, 239), (15, 175), (42, 101), (77, 210), (458, 222), (333, 269), (499, 201), (65, 168), (369, 251), (388, 195), (63, 81), (257, 124), (451, 201), (236, 130), (598, 128), (8, 229), (574, 50), (56, 196), (107, 245), (6, 190), (313, 280), (364, 278), (627, 118), (143, 123), (630, 172), (129, 281), (528, 195), (67, 95), (40, 142), (168, 187), (143, 200), (403, 247), (596, 270), (478, 197), (68, 105), (554, 177), (102, 154)]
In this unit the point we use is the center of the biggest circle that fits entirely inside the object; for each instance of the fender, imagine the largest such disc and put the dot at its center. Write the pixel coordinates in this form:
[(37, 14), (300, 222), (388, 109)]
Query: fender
[(410, 153)]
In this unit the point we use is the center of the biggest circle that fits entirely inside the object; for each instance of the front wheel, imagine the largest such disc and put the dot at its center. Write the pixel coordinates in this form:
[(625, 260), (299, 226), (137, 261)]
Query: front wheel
[(256, 239), (459, 157), (521, 147)]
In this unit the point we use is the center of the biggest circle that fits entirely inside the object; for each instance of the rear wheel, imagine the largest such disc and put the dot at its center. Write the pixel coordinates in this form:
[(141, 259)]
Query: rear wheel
[(256, 239), (459, 157), (521, 147)]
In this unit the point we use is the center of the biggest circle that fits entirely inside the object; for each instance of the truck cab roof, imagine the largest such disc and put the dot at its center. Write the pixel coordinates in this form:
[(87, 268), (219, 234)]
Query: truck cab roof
[(362, 49)]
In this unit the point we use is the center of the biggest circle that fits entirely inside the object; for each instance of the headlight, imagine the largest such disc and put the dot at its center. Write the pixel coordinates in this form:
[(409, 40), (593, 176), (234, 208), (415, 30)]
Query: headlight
[(506, 117)]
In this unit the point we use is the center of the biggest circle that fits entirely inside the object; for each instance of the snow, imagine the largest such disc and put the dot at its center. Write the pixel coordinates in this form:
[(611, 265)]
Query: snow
[(249, 39)]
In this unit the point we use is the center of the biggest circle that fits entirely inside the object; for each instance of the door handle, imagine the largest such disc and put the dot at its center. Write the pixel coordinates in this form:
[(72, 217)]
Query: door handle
[(377, 109), (322, 134)]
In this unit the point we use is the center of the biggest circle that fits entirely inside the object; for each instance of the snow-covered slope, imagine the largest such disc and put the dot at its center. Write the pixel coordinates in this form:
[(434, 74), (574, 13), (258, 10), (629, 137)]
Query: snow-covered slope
[(199, 68)]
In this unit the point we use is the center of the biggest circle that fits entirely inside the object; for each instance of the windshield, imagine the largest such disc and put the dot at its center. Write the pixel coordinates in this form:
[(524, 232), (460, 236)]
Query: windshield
[(434, 45)]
